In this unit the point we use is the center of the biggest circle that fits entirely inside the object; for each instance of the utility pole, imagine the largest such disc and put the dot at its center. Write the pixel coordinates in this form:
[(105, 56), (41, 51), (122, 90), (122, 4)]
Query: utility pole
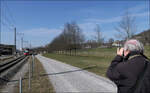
[(22, 43), (149, 13), (0, 20), (30, 45), (15, 39)]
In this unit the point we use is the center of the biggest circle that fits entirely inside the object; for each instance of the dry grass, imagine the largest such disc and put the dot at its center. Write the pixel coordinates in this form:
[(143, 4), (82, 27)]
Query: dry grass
[(38, 84)]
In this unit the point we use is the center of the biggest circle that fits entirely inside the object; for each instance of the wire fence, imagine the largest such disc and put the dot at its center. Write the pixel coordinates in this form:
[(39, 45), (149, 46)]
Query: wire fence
[(11, 69), (29, 77)]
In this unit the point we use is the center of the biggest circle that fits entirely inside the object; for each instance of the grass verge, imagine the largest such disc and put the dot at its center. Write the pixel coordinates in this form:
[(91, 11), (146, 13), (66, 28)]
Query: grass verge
[(101, 57), (38, 84), (102, 63)]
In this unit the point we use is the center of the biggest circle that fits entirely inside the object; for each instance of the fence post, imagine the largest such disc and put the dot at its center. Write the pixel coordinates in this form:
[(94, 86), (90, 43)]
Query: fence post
[(33, 64), (20, 85), (29, 75)]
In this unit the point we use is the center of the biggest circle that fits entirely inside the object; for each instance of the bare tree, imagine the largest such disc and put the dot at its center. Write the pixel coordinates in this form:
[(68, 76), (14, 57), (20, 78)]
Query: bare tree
[(98, 37), (70, 39), (110, 41), (126, 27)]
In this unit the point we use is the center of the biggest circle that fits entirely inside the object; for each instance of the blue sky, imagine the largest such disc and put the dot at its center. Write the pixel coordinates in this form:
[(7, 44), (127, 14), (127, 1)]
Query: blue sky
[(41, 21)]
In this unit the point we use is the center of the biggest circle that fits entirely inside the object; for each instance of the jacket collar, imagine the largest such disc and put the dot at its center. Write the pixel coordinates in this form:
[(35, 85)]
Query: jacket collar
[(132, 54)]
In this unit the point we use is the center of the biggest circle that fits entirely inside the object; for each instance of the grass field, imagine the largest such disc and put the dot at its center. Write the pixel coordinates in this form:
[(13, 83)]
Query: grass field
[(101, 57)]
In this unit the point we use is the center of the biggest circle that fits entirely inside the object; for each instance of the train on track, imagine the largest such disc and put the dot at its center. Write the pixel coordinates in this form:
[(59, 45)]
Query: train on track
[(10, 50)]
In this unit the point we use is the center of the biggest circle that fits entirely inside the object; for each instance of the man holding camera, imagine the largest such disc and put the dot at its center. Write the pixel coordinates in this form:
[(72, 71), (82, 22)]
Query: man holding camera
[(130, 69)]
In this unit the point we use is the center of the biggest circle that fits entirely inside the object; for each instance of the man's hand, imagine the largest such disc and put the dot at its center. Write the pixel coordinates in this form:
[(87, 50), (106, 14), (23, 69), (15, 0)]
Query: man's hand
[(120, 51)]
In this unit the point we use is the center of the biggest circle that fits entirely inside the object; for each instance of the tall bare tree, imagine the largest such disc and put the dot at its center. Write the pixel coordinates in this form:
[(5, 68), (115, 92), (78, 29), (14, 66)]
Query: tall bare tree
[(126, 27), (99, 37), (110, 41), (70, 39)]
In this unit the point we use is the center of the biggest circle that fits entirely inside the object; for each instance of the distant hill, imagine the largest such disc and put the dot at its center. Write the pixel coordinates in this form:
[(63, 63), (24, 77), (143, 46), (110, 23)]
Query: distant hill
[(144, 37)]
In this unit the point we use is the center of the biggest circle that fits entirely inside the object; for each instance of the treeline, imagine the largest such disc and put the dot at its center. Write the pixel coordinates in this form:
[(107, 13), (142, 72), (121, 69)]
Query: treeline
[(72, 39), (69, 40), (144, 37)]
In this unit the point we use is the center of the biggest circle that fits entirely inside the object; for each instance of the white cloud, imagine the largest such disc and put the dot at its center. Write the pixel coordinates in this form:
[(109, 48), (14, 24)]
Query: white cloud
[(141, 14), (88, 29), (138, 8), (40, 36), (88, 25), (42, 32), (136, 11), (116, 19), (110, 20)]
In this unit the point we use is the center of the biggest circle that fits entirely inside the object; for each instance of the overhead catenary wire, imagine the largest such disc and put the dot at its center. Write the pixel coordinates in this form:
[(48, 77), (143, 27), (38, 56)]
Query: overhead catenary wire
[(7, 21), (6, 25), (6, 15), (10, 13)]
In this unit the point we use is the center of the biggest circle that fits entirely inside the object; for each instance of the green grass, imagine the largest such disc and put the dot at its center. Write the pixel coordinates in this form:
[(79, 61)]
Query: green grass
[(147, 51), (101, 57)]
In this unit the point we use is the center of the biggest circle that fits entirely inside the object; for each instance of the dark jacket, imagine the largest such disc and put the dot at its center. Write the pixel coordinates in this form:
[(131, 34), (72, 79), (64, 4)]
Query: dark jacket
[(124, 72)]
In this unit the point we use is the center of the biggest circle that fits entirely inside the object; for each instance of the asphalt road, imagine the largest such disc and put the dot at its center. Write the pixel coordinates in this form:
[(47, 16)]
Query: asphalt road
[(67, 78)]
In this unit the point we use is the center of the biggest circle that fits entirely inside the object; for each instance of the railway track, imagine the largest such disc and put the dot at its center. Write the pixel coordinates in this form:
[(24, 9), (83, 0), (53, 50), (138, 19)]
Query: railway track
[(9, 69), (4, 58)]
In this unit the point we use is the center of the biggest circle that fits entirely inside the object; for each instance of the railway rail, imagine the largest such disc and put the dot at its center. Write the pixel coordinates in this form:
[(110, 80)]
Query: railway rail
[(3, 58), (8, 69)]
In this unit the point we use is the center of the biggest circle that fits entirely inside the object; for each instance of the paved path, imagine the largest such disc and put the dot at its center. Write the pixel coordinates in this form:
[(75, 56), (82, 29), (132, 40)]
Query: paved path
[(74, 81)]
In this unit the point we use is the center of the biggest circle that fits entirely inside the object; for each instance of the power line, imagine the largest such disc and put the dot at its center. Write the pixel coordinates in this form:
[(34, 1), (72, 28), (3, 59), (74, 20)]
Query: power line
[(3, 20), (6, 25), (7, 19), (10, 13)]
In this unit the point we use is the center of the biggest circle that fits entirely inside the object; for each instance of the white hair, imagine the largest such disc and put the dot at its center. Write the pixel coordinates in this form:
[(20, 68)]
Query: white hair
[(134, 45)]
